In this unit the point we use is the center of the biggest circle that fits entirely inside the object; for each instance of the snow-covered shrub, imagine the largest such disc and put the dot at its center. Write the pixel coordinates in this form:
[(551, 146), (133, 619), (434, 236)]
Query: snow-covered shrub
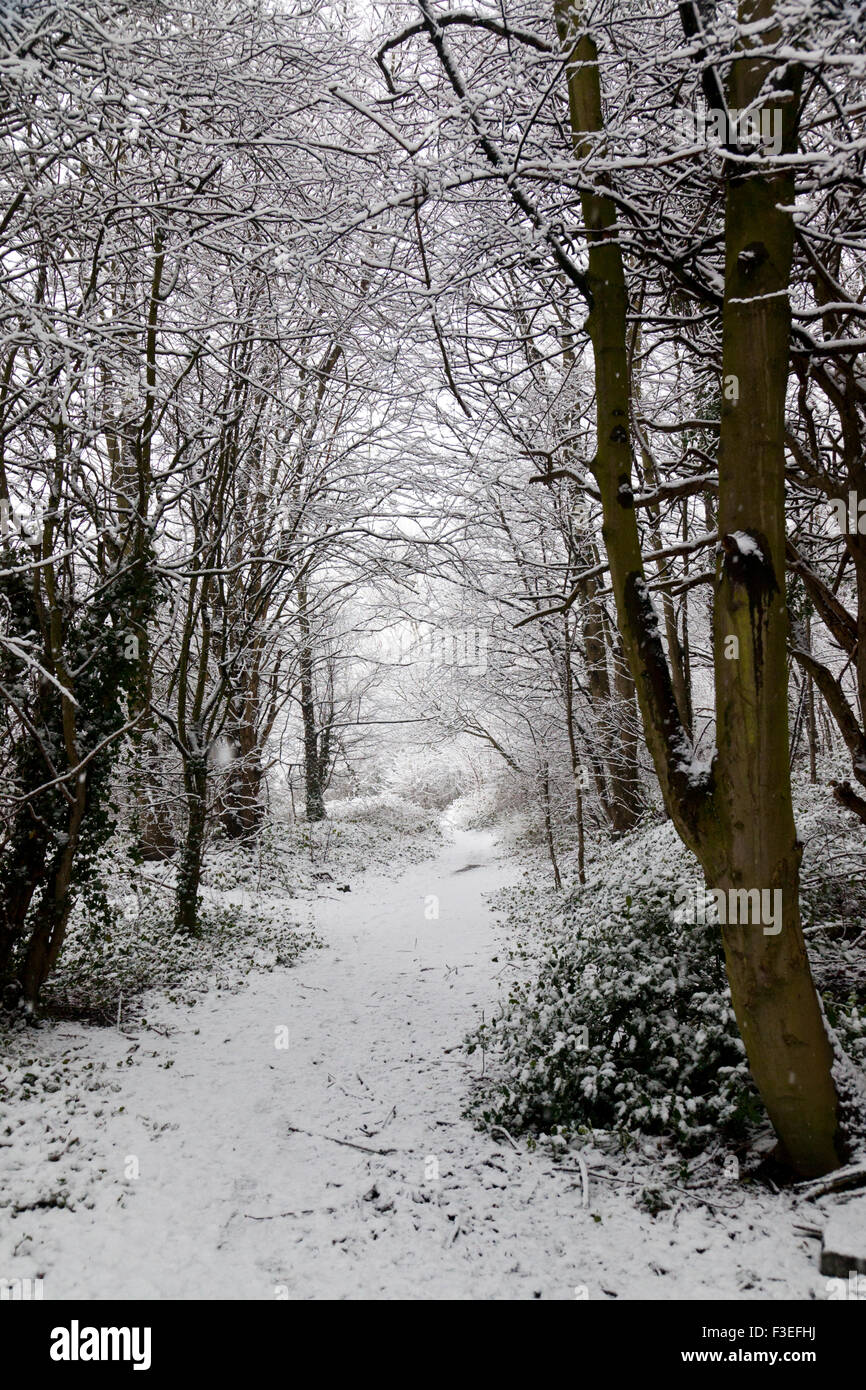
[(380, 833), (269, 862), (848, 1020), (359, 833), (833, 904), (429, 777), (628, 1023), (122, 942), (385, 810), (503, 803)]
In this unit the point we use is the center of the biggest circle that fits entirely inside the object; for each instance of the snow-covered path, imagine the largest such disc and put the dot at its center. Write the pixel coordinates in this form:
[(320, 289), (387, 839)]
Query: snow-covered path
[(242, 1190)]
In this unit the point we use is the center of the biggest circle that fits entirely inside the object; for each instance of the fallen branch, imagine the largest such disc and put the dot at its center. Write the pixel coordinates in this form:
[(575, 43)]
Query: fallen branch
[(501, 1130), (371, 1133), (584, 1178), (308, 1211), (852, 1176), (584, 1181), (347, 1143)]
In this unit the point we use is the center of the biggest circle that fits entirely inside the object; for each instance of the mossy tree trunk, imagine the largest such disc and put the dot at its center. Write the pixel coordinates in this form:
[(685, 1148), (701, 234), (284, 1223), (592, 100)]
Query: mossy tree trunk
[(737, 817), (315, 741), (186, 914)]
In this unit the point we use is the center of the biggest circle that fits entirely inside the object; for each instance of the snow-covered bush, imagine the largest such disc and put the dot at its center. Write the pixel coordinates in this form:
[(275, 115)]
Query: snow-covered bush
[(430, 777), (847, 1017), (121, 939), (378, 833), (269, 862), (833, 904), (502, 803), (385, 810), (142, 951), (628, 1023)]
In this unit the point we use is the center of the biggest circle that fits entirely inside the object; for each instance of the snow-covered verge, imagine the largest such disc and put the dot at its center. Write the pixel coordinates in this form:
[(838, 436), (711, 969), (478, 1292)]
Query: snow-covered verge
[(306, 1137), (619, 1017), (624, 1023)]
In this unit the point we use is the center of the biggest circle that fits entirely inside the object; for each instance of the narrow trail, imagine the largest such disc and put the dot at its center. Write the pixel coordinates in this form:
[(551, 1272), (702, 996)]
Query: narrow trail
[(340, 1165)]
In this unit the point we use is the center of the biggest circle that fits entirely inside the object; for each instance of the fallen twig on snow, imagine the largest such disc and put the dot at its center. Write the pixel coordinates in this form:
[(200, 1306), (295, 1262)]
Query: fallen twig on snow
[(392, 1115), (596, 1173), (308, 1211), (854, 1175), (584, 1177), (500, 1129), (347, 1143)]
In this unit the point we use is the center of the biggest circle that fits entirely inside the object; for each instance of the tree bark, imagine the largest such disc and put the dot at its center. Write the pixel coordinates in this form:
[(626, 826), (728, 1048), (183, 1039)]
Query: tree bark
[(548, 824), (313, 770), (49, 930), (186, 918), (736, 817)]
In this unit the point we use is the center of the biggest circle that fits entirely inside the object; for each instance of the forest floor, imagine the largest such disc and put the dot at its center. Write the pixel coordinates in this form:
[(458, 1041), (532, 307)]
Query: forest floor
[(202, 1158)]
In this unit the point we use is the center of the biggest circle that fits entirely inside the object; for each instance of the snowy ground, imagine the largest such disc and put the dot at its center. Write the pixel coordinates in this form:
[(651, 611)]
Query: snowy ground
[(242, 1190)]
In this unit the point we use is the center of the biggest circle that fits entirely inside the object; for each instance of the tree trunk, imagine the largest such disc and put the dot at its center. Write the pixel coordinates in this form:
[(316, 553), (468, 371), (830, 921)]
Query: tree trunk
[(738, 819), (313, 772), (186, 916), (54, 908), (242, 808), (811, 726), (625, 775), (241, 805), (771, 984), (576, 769), (548, 824)]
